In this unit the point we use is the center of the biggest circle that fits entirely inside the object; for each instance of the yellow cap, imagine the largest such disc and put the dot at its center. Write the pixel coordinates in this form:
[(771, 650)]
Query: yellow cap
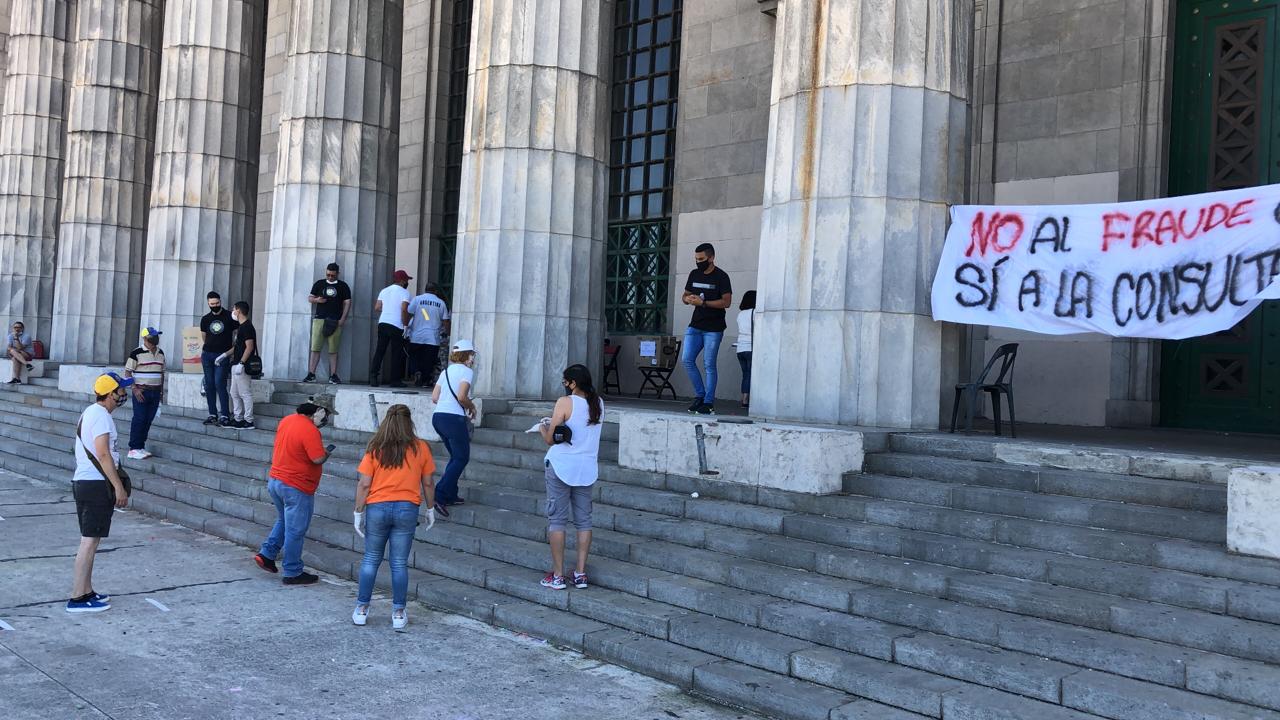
[(106, 384)]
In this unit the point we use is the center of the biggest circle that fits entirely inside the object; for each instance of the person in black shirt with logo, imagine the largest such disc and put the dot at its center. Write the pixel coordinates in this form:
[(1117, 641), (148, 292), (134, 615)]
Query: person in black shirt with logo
[(331, 300), (217, 331), (709, 291), (245, 348)]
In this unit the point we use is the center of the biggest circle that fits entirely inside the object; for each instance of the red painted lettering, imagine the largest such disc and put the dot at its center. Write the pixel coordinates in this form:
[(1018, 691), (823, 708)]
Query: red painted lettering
[(1238, 216), (1141, 229), (1166, 228), (1108, 233), (1218, 214), (984, 235), (1195, 229)]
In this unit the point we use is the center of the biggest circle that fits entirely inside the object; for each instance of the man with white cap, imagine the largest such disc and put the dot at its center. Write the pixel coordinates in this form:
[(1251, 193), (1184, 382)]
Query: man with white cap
[(146, 367), (452, 419), (97, 485)]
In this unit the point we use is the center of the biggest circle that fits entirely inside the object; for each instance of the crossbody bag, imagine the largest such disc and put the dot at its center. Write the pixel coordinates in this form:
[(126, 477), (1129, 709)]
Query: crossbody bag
[(471, 426), (120, 473)]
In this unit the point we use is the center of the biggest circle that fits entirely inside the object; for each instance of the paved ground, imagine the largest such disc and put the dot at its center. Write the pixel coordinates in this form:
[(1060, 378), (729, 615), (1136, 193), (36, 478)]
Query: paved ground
[(198, 631)]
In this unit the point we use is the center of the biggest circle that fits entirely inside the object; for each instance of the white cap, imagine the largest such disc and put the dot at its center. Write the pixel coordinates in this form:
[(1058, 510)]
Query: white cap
[(463, 346)]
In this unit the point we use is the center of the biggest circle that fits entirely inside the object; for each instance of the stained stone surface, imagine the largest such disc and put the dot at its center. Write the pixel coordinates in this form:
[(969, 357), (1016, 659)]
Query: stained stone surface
[(866, 152), (110, 126), (31, 157), (528, 285), (335, 181), (200, 232)]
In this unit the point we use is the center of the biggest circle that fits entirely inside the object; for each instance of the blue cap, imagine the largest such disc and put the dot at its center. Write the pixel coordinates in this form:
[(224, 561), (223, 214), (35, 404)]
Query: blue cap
[(150, 332), (108, 382)]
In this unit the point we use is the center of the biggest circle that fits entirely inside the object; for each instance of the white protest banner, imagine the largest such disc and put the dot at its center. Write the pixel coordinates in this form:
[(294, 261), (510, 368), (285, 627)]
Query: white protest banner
[(1169, 268)]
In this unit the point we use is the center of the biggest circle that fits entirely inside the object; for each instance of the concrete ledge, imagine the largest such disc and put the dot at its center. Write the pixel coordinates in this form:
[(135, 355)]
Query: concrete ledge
[(184, 391), (6, 370), (1142, 463), (787, 457), (1253, 506), (79, 378), (354, 412)]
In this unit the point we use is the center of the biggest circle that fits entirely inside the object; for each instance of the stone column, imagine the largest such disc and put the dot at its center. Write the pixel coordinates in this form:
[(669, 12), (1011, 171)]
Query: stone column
[(31, 154), (528, 280), (110, 125), (204, 190), (335, 176), (867, 145)]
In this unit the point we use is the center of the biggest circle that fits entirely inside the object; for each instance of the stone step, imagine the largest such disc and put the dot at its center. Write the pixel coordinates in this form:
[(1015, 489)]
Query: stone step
[(518, 489), (1099, 486), (338, 533), (504, 421)]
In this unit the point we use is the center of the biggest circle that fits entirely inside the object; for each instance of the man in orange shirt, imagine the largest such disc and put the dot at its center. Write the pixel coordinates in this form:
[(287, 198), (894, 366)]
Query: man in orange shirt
[(296, 465)]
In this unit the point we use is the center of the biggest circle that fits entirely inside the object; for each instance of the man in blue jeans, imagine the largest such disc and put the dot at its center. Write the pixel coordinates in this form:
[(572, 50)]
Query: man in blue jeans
[(710, 293), (146, 366), (296, 460), (217, 331)]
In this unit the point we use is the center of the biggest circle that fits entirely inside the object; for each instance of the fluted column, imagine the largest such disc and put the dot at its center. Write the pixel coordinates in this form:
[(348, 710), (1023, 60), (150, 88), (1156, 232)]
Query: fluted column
[(31, 155), (204, 188), (110, 124), (336, 174), (866, 152), (528, 281)]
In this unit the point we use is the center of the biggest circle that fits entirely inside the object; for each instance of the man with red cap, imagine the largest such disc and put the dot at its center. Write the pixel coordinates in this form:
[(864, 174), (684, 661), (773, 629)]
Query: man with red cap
[(393, 314)]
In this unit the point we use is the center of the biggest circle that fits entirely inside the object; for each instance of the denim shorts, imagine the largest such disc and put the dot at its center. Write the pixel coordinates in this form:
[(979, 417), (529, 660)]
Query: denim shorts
[(565, 499)]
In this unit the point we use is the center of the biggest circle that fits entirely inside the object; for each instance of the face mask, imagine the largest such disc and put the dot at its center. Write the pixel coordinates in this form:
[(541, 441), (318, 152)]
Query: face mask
[(568, 390), (215, 309), (704, 265), (324, 420)]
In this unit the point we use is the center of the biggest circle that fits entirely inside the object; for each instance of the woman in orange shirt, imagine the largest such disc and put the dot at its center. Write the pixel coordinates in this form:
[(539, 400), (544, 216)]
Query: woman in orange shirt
[(395, 476)]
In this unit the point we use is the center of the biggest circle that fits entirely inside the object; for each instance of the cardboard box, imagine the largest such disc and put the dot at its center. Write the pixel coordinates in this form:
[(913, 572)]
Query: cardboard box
[(191, 347), (658, 351)]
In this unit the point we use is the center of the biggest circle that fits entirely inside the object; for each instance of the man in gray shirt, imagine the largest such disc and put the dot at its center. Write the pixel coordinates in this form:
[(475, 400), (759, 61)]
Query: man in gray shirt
[(18, 347), (428, 325)]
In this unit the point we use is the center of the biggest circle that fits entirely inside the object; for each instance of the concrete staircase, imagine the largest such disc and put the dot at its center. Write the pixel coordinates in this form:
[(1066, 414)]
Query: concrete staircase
[(941, 584)]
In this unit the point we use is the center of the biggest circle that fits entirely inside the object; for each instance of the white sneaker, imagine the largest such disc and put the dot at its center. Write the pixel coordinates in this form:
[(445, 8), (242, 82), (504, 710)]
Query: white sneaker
[(399, 619), (139, 454), (360, 615)]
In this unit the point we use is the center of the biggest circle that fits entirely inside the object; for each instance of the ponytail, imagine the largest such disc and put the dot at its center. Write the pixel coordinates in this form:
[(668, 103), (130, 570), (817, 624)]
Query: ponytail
[(581, 376)]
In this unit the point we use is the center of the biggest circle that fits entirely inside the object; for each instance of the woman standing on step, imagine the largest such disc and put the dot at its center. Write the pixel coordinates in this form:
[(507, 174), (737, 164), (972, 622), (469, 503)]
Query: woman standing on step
[(572, 467), (452, 419), (395, 476)]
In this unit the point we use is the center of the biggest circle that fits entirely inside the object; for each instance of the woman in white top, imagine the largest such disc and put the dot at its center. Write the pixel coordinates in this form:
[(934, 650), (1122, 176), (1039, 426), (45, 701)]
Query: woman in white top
[(571, 469), (746, 323), (452, 419)]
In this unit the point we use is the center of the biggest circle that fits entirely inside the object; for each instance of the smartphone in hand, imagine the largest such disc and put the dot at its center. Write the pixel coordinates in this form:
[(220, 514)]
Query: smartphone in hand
[(330, 448)]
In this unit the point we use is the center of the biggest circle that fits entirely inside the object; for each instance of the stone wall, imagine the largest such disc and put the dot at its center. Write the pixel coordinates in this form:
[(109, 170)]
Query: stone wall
[(269, 145), (5, 9), (1070, 108)]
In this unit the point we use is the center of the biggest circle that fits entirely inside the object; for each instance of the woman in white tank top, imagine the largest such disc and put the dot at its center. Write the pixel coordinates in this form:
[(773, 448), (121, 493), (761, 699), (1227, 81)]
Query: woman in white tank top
[(571, 468)]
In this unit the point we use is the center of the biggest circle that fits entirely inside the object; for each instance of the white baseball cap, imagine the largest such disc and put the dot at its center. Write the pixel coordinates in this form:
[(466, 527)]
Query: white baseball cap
[(463, 346)]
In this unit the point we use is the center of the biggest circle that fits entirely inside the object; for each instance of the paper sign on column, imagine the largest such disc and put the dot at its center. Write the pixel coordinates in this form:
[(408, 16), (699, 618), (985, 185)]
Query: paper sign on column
[(648, 348)]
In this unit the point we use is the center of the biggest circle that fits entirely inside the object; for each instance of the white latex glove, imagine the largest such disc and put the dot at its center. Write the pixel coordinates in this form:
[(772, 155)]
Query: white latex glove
[(357, 519), (223, 360), (431, 518), (237, 369)]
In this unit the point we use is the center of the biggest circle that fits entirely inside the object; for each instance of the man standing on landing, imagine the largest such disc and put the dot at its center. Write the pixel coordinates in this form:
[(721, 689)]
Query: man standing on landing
[(331, 300), (392, 307), (709, 291), (96, 486)]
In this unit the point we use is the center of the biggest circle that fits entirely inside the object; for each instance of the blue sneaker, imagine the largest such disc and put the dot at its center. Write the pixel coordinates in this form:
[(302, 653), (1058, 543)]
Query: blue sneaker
[(100, 597), (92, 605)]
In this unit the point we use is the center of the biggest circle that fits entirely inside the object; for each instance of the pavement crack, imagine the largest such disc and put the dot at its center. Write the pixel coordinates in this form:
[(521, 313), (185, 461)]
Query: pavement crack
[(128, 594), (102, 551), (57, 682)]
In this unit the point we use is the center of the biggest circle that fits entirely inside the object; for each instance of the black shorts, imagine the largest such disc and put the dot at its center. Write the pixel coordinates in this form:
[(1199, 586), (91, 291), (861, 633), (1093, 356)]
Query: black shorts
[(94, 507)]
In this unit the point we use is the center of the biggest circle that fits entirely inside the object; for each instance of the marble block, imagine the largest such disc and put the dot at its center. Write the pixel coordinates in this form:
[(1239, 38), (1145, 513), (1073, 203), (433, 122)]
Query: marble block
[(1253, 504)]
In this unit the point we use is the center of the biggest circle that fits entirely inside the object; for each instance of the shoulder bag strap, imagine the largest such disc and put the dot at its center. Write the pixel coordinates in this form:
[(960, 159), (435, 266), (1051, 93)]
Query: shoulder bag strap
[(92, 457), (450, 385)]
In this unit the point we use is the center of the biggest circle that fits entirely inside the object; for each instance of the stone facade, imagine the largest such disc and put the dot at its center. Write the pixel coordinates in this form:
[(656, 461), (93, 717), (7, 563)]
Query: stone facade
[(295, 133)]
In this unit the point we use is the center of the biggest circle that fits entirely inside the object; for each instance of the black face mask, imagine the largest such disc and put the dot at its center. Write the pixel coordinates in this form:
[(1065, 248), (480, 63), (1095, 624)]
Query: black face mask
[(215, 309), (568, 390), (704, 265)]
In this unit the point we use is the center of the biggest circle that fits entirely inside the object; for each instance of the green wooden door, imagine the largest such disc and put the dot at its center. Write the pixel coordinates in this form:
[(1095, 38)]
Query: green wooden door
[(1224, 137)]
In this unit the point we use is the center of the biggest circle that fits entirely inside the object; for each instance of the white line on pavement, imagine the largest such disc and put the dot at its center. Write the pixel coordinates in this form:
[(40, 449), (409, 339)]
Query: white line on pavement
[(158, 604), (5, 626)]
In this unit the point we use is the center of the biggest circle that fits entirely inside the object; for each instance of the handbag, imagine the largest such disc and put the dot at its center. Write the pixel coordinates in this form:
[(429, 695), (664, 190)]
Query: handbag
[(253, 366), (330, 326), (471, 426), (562, 434), (120, 473)]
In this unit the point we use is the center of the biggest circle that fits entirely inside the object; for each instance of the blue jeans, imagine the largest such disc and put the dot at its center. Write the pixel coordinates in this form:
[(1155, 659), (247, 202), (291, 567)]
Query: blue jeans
[(397, 522), (144, 412), (694, 342), (216, 377), (293, 517), (744, 360), (453, 433)]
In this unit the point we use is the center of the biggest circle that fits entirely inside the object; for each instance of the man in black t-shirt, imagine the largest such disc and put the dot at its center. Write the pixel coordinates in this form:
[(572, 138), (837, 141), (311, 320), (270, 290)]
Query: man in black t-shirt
[(709, 291), (330, 300), (245, 347), (217, 332)]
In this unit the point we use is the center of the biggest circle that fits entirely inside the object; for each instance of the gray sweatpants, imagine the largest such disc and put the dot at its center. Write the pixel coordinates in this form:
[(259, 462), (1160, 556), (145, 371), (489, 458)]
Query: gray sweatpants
[(562, 499)]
